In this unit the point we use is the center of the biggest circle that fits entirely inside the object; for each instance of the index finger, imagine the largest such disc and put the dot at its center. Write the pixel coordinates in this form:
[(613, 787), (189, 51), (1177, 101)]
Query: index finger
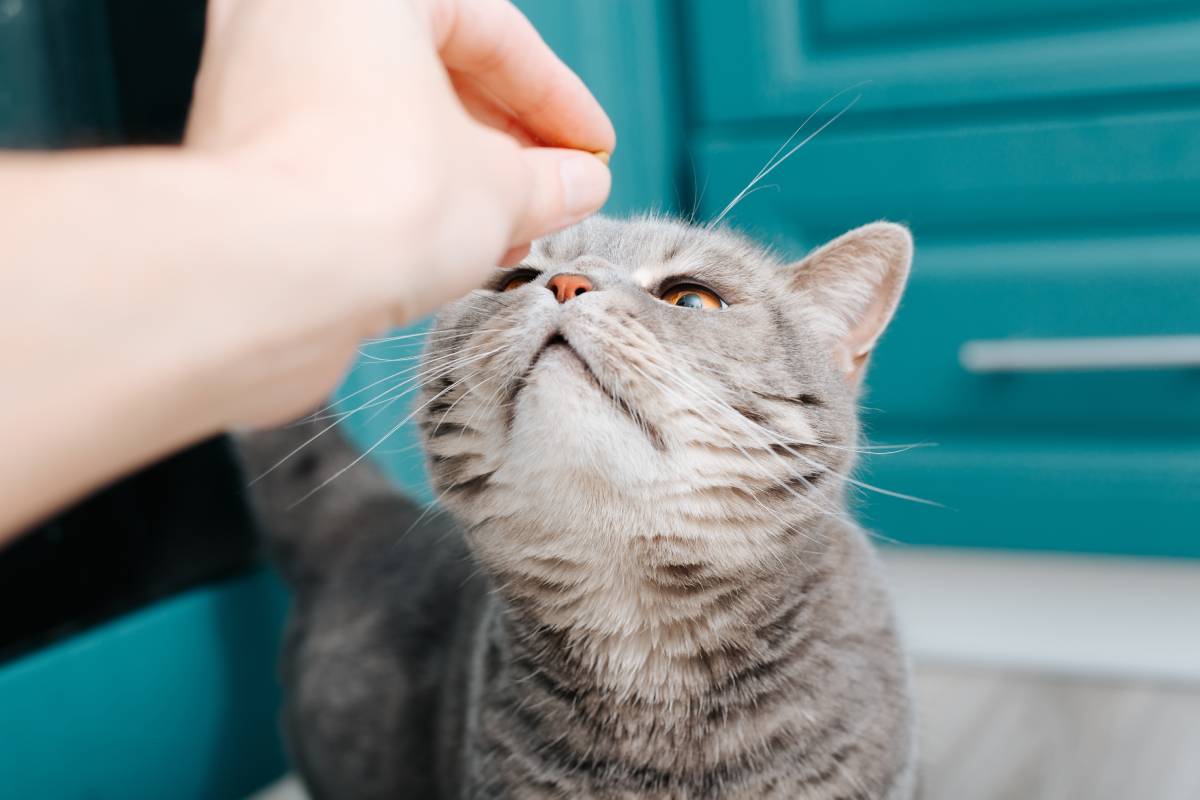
[(494, 43)]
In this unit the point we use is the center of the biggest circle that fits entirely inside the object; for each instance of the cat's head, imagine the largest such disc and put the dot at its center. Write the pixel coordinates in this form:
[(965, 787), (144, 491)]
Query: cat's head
[(649, 378)]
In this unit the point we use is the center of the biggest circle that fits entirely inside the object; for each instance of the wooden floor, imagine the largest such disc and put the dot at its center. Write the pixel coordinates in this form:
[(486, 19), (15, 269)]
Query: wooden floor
[(995, 735), (992, 735)]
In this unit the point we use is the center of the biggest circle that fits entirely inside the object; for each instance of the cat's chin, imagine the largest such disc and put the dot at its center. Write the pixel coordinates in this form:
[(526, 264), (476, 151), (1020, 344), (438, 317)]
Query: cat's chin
[(565, 422)]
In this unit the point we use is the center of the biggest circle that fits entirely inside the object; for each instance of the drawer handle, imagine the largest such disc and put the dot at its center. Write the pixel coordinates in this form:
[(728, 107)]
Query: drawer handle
[(1070, 355)]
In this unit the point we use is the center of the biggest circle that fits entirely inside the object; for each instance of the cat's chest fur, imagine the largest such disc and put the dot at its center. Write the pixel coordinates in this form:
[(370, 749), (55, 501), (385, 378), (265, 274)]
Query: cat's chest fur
[(656, 671), (652, 656)]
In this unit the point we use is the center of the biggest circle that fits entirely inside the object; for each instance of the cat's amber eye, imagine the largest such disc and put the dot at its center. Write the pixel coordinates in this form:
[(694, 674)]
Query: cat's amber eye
[(689, 295), (518, 279)]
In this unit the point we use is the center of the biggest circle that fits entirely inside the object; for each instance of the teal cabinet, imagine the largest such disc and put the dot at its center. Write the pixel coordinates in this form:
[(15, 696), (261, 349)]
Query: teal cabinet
[(860, 20), (1116, 495), (933, 62), (1047, 156), (179, 700)]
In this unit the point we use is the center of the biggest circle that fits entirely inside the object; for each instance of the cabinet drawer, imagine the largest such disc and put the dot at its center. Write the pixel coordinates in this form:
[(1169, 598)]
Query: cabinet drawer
[(1094, 495), (781, 58), (1044, 292), (1037, 230), (1034, 177), (851, 21), (1044, 230)]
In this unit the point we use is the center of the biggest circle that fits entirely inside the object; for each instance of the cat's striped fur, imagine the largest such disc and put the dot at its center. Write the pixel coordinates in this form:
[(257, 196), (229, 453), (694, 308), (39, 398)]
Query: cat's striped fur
[(673, 601)]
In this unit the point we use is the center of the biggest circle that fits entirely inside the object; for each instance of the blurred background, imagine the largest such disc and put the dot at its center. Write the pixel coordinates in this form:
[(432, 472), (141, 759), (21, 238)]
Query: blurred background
[(1045, 361)]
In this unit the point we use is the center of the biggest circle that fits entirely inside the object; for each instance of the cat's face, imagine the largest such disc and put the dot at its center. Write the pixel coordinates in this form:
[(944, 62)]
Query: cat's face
[(647, 378)]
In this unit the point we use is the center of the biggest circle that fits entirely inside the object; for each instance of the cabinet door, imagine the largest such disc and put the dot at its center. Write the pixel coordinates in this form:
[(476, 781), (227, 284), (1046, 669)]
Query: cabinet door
[(781, 58), (1047, 157)]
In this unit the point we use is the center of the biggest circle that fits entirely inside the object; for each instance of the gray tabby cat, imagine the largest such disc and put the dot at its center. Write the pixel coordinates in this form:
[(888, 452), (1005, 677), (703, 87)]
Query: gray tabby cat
[(652, 587)]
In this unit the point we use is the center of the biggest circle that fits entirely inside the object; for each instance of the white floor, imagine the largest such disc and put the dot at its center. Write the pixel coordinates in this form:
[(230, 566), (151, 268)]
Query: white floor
[(993, 735)]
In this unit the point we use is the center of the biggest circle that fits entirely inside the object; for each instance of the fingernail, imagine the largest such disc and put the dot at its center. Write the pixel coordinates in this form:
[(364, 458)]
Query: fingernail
[(585, 184), (603, 155)]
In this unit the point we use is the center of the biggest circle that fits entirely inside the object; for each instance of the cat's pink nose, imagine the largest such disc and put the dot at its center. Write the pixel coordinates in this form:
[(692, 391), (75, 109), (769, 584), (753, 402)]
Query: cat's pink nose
[(567, 285)]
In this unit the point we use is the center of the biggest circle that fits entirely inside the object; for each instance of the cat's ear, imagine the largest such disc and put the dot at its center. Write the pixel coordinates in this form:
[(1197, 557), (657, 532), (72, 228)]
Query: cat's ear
[(854, 284)]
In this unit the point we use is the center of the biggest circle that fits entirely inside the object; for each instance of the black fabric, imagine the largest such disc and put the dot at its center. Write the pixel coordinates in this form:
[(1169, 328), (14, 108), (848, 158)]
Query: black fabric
[(155, 49), (180, 523)]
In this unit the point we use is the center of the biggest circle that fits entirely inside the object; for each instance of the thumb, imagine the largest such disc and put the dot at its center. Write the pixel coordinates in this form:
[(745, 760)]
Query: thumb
[(564, 187)]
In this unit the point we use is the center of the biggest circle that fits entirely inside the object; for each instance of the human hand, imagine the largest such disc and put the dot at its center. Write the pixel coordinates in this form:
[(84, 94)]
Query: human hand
[(402, 147)]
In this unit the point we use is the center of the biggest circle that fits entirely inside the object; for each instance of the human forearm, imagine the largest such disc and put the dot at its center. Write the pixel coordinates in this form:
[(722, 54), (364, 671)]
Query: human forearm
[(121, 330)]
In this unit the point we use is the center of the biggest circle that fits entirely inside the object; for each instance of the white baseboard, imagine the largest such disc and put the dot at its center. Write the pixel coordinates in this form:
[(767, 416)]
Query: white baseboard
[(1094, 616)]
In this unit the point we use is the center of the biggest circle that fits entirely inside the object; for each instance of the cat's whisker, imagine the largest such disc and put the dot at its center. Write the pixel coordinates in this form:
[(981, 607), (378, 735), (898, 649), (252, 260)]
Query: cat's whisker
[(461, 397), (302, 445), (418, 334), (669, 371), (699, 195), (425, 364), (433, 336), (399, 337), (776, 439), (877, 449), (432, 368), (714, 402), (804, 124), (775, 162), (373, 359), (372, 448), (389, 396), (872, 488), (338, 419), (316, 416), (431, 510), (417, 381), (494, 397)]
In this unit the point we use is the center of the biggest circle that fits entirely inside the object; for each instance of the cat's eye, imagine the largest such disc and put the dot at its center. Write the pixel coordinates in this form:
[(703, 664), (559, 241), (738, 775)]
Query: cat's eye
[(690, 295), (517, 279)]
